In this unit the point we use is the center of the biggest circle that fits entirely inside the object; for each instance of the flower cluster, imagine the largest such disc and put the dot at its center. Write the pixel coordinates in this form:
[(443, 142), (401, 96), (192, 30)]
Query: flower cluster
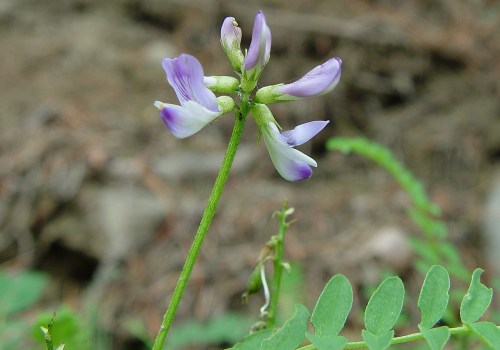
[(199, 106)]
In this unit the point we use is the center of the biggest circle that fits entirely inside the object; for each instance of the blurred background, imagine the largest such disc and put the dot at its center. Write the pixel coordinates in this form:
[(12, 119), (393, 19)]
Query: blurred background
[(101, 199)]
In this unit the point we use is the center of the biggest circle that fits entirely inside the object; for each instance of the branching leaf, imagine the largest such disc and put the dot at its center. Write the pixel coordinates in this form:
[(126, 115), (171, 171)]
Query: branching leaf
[(384, 306), (436, 337), (332, 307), (476, 300), (378, 341), (433, 297), (488, 333), (291, 334), (330, 342)]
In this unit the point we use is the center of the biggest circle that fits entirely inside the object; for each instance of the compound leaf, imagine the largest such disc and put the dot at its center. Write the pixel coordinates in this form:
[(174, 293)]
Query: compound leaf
[(488, 333), (253, 341), (291, 334), (436, 338), (384, 306), (378, 341), (332, 307), (476, 300), (329, 342), (434, 296)]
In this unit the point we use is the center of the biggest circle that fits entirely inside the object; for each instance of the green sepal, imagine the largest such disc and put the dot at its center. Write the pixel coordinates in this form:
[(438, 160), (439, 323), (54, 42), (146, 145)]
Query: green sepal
[(222, 84), (226, 104)]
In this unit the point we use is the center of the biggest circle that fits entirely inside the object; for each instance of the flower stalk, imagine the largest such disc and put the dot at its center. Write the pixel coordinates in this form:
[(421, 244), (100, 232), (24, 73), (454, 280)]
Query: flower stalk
[(206, 220), (278, 264)]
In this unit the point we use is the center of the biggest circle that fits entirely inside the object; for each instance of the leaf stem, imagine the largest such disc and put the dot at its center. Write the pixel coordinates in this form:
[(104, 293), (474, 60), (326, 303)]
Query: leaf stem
[(205, 222), (278, 265), (397, 340)]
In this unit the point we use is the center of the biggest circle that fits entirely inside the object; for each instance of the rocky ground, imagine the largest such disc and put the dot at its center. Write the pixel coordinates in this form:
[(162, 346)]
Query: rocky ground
[(97, 193)]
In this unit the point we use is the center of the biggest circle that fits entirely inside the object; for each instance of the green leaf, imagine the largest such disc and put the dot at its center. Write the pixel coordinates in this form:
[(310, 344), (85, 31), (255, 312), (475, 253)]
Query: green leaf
[(332, 307), (487, 332), (253, 341), (436, 337), (384, 306), (476, 300), (433, 297), (20, 291), (329, 342), (225, 328), (291, 334), (377, 341)]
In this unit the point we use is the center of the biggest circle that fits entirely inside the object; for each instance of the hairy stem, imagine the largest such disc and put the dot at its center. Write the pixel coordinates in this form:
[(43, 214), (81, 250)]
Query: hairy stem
[(206, 220)]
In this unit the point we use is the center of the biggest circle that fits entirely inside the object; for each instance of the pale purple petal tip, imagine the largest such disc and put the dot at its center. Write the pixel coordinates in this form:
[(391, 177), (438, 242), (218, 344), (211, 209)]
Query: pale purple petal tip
[(260, 45), (230, 33), (184, 121), (185, 75), (290, 163), (318, 81), (303, 133)]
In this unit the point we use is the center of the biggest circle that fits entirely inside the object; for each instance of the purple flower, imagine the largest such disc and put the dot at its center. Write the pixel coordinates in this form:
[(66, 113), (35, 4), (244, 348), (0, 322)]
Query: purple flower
[(259, 50), (290, 163), (318, 81), (198, 104)]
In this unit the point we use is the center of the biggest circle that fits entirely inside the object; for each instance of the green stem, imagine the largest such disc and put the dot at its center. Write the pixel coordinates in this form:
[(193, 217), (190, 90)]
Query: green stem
[(206, 220), (278, 267), (397, 340)]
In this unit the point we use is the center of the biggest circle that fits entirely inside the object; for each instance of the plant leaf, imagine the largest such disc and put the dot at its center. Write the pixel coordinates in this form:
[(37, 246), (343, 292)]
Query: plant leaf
[(384, 306), (378, 341), (332, 307), (488, 333), (436, 337), (20, 291), (434, 296), (476, 300), (253, 341), (291, 334), (329, 342)]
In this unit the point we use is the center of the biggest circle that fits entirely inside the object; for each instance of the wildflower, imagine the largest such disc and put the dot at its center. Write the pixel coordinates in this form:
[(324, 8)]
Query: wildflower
[(199, 106), (258, 53), (318, 81), (290, 163), (230, 38)]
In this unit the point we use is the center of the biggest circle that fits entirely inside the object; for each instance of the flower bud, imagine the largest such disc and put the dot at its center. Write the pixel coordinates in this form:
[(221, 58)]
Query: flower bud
[(318, 81), (222, 84), (230, 38), (258, 53)]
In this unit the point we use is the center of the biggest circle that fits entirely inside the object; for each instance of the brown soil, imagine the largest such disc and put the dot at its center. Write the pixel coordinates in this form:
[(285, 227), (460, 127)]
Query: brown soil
[(97, 193)]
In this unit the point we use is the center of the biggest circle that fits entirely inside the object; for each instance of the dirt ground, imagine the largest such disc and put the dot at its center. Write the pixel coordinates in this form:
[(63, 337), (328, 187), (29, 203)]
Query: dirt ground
[(97, 193)]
